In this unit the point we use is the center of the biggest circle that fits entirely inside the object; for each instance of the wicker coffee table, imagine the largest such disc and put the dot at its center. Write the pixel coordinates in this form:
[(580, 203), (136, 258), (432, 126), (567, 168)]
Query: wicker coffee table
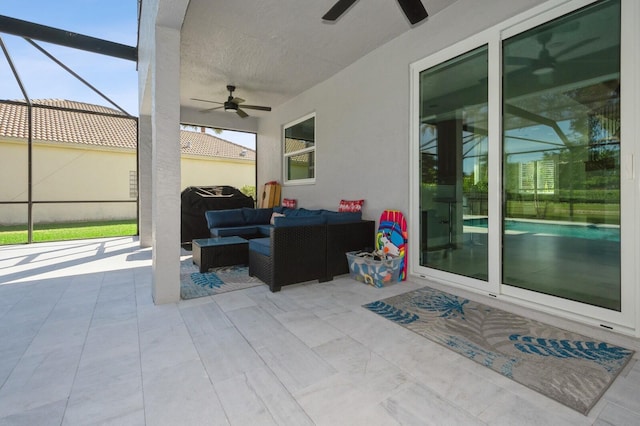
[(220, 251)]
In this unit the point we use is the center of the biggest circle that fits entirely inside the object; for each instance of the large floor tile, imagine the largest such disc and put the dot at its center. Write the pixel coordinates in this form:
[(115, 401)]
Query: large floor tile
[(614, 415), (181, 395), (82, 343), (297, 365), (242, 403), (417, 405), (106, 400), (227, 354), (43, 415), (308, 327), (39, 379)]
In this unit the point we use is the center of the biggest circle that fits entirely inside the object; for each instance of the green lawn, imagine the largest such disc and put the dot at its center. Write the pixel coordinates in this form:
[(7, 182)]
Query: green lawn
[(67, 231), (576, 212)]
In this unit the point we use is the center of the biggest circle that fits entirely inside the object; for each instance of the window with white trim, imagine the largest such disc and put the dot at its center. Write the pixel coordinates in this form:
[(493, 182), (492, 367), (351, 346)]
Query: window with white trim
[(299, 150)]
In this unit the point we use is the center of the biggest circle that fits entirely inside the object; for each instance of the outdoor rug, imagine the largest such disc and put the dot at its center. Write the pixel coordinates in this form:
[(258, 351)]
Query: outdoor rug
[(218, 280), (570, 368)]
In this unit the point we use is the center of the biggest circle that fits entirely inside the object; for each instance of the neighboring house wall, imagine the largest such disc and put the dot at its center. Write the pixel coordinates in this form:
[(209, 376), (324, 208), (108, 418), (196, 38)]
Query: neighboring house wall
[(81, 157), (207, 172), (71, 173), (14, 172), (67, 173)]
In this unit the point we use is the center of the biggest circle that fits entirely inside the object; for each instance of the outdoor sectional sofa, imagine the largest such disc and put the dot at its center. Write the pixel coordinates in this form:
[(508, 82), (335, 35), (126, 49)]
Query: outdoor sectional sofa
[(245, 222), (302, 245)]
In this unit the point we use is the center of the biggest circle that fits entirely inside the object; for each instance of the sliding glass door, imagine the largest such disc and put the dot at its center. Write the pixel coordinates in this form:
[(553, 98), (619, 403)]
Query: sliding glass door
[(522, 184), (561, 157), (453, 165)]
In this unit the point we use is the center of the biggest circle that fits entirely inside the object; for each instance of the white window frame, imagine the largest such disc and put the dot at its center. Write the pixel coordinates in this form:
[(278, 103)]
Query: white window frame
[(286, 155)]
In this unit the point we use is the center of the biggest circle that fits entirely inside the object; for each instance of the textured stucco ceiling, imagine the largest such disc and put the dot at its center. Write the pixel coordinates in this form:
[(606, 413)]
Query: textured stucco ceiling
[(273, 50)]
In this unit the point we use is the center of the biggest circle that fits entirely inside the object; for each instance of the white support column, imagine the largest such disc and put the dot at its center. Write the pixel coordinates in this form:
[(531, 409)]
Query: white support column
[(145, 180), (165, 135)]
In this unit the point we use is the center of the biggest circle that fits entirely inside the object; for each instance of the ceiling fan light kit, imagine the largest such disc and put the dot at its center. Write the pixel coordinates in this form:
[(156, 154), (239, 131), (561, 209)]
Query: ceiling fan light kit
[(544, 70)]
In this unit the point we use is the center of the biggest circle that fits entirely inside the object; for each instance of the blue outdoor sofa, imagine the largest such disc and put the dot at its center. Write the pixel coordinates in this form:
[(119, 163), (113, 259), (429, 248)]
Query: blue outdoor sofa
[(298, 245)]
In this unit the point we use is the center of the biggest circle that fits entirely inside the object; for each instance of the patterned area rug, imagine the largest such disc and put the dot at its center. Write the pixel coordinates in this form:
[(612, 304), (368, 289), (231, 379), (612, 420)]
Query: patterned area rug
[(218, 280), (572, 369)]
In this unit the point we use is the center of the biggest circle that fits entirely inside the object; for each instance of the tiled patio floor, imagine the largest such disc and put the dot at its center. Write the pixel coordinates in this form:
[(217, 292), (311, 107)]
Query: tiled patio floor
[(81, 343)]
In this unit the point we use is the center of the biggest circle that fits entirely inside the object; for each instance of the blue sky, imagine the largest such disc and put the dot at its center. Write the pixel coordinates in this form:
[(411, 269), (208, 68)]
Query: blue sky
[(113, 20)]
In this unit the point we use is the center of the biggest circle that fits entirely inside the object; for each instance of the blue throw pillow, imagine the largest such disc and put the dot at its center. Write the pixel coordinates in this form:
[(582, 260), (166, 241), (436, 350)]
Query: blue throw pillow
[(221, 218), (286, 221)]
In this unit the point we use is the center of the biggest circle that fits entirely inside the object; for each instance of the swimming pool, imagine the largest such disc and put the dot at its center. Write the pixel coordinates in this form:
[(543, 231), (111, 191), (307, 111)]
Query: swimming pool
[(592, 232)]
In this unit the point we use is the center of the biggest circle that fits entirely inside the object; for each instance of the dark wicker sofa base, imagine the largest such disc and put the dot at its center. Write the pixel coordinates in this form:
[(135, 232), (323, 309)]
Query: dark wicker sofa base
[(312, 252)]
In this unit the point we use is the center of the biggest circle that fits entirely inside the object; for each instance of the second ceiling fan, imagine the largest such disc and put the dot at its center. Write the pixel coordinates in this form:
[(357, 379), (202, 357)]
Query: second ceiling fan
[(233, 104), (545, 63), (413, 9)]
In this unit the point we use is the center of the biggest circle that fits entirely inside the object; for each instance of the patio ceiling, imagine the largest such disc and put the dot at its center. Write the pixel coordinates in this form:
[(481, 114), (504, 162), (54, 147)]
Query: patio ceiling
[(273, 50)]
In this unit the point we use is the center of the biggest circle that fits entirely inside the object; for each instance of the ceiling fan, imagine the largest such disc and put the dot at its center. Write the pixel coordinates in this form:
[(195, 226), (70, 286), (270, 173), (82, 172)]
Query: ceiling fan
[(232, 104), (413, 9), (546, 63)]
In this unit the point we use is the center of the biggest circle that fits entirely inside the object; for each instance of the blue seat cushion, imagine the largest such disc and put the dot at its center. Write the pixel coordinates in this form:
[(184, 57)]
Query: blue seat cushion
[(234, 230), (264, 230), (261, 245), (224, 218)]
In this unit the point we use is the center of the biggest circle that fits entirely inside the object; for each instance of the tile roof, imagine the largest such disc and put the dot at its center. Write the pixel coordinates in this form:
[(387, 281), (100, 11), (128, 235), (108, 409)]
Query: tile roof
[(204, 144), (115, 130)]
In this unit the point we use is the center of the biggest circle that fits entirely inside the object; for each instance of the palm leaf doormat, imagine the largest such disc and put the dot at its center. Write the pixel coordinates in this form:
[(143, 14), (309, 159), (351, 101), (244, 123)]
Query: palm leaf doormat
[(217, 280), (570, 368)]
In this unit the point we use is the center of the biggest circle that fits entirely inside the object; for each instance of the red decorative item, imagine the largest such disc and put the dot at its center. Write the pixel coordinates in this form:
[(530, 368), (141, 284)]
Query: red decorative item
[(350, 205), (289, 203)]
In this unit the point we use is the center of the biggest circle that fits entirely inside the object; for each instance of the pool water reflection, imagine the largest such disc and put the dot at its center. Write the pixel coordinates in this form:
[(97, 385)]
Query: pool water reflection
[(564, 229)]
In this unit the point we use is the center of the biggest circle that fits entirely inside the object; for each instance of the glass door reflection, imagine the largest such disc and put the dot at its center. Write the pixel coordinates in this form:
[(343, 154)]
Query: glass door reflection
[(453, 165), (561, 157)]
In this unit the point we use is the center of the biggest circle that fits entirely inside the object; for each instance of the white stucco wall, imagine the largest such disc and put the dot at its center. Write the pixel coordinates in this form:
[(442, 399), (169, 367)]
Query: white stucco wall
[(362, 115)]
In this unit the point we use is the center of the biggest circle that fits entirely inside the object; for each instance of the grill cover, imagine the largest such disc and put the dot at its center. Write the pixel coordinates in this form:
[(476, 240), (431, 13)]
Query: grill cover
[(195, 200)]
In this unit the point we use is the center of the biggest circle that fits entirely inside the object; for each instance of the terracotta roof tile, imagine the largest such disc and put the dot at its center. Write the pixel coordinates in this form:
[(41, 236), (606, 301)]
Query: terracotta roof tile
[(197, 143), (114, 130)]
